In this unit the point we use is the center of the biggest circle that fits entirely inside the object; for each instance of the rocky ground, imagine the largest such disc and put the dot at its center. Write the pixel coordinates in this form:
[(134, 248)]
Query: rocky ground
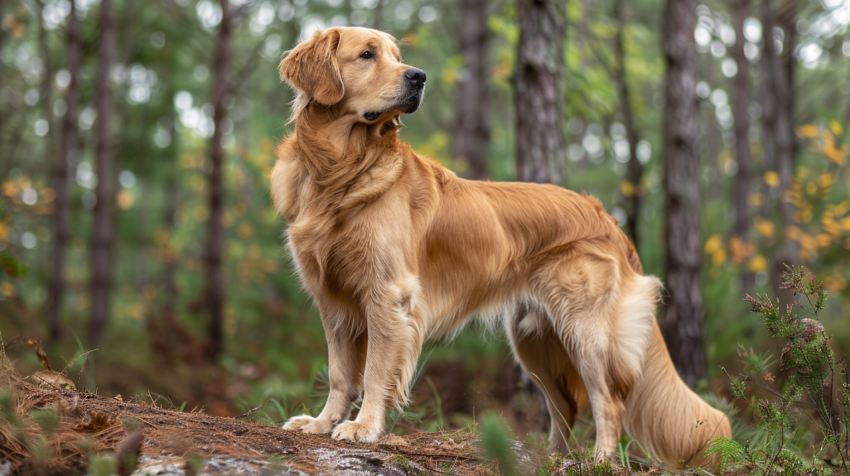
[(49, 427)]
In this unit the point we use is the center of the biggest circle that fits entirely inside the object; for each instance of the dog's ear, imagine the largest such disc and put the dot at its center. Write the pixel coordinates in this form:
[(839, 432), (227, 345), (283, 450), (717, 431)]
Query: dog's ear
[(312, 67)]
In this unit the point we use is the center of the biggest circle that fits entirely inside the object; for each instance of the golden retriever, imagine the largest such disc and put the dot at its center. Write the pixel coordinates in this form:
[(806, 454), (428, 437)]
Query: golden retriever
[(395, 249)]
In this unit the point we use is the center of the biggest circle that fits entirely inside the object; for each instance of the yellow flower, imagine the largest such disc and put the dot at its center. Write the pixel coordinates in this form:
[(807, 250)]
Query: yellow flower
[(811, 188), (718, 257), (836, 128), (807, 131), (757, 264), (627, 188), (764, 227), (826, 180), (771, 178), (833, 153), (714, 243)]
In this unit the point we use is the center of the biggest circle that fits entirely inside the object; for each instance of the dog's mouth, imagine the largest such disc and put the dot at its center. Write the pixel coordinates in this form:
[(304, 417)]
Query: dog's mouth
[(408, 103)]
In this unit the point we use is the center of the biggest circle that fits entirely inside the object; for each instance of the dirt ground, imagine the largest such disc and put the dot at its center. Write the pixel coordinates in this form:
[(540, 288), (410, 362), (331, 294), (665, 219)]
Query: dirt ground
[(51, 428)]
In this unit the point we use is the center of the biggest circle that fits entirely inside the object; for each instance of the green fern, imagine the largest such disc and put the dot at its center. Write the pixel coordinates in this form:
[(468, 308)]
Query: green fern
[(730, 452)]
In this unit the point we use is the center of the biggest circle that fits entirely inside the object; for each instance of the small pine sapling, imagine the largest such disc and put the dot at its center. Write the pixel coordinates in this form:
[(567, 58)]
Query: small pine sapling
[(810, 395)]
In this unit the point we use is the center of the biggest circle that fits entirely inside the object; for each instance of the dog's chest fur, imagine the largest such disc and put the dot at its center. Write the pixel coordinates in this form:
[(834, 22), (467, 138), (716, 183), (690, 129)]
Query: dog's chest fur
[(338, 239)]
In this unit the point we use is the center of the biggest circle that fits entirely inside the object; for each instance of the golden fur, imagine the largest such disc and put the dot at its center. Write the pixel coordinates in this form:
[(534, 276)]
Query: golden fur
[(396, 249)]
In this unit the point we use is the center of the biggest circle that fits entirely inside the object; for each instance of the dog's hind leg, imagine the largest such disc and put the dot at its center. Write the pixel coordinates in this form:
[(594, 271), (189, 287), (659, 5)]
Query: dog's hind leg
[(580, 293), (542, 355)]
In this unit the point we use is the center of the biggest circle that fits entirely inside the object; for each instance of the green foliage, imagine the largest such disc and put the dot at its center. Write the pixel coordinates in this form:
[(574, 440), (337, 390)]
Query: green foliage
[(13, 266), (47, 419), (101, 466), (602, 468), (498, 446), (777, 445), (730, 452)]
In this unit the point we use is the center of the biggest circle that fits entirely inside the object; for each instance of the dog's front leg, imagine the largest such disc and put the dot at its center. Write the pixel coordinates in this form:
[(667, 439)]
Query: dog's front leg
[(395, 342), (346, 361)]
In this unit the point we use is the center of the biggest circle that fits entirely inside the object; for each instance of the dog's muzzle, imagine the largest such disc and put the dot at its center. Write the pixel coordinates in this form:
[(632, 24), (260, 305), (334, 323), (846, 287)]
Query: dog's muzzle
[(414, 82), (410, 97)]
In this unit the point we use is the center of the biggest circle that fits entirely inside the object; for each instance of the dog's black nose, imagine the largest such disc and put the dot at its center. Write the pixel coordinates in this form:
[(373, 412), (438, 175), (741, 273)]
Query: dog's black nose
[(414, 75)]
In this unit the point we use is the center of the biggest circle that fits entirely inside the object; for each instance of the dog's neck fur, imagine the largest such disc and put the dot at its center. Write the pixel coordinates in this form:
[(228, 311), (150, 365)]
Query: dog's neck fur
[(336, 149)]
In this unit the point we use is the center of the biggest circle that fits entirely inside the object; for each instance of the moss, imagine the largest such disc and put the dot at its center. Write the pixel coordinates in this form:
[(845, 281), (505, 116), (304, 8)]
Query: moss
[(403, 461), (602, 468)]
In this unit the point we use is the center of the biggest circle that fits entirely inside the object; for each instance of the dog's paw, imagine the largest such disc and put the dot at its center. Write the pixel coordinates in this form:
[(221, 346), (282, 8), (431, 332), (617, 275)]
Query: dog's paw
[(308, 424), (357, 432)]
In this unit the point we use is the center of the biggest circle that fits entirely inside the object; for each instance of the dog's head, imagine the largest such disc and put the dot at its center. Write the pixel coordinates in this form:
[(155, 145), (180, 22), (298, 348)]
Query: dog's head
[(356, 69)]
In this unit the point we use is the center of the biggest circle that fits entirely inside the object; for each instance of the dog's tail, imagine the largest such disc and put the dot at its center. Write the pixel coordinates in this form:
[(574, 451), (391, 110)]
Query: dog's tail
[(671, 422)]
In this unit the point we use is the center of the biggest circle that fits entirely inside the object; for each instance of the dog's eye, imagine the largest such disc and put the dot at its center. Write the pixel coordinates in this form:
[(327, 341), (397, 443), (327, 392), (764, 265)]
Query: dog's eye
[(366, 54)]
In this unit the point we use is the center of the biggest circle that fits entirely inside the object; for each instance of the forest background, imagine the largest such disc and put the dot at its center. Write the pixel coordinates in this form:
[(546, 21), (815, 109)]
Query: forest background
[(137, 138)]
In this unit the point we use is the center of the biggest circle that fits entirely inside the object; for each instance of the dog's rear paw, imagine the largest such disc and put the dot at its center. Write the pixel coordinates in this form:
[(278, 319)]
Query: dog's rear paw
[(357, 432), (308, 424)]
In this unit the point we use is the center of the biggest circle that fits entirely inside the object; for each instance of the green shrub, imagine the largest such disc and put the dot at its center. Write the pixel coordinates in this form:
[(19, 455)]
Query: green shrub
[(817, 394)]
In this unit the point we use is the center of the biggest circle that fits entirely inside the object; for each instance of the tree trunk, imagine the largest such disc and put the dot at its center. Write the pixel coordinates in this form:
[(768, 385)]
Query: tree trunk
[(215, 231), (541, 148), (740, 106), (2, 37), (683, 313), (778, 129), (169, 274), (101, 266), (378, 13), (471, 134), (539, 108), (787, 20), (68, 154), (634, 170)]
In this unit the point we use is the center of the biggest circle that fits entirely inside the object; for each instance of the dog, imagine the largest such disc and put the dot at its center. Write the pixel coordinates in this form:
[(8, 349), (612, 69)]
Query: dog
[(396, 249)]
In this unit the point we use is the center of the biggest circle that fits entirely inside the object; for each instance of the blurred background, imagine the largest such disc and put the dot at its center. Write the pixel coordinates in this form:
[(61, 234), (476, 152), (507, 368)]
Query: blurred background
[(137, 138)]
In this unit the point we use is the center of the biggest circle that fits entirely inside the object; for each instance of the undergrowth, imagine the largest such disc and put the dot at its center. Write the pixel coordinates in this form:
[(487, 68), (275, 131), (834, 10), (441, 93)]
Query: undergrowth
[(807, 413)]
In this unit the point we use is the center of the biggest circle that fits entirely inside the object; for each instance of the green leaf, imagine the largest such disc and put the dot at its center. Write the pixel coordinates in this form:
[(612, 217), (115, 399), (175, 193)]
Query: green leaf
[(730, 452)]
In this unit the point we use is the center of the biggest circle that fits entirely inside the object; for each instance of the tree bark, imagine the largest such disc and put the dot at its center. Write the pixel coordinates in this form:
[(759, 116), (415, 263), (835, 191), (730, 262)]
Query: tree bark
[(683, 313), (778, 139), (215, 231), (169, 274), (743, 177), (2, 38), (787, 20), (471, 133), (101, 265), (541, 148), (634, 170), (68, 154)]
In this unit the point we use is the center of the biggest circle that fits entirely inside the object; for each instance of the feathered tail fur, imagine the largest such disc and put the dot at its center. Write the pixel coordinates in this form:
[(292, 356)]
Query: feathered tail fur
[(669, 420)]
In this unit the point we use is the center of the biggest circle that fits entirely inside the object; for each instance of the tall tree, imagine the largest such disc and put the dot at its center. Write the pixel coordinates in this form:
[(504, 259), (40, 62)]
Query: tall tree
[(742, 143), (215, 231), (69, 152), (541, 147), (778, 140), (2, 37), (471, 133), (101, 262), (634, 170), (683, 313), (787, 20), (539, 108)]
